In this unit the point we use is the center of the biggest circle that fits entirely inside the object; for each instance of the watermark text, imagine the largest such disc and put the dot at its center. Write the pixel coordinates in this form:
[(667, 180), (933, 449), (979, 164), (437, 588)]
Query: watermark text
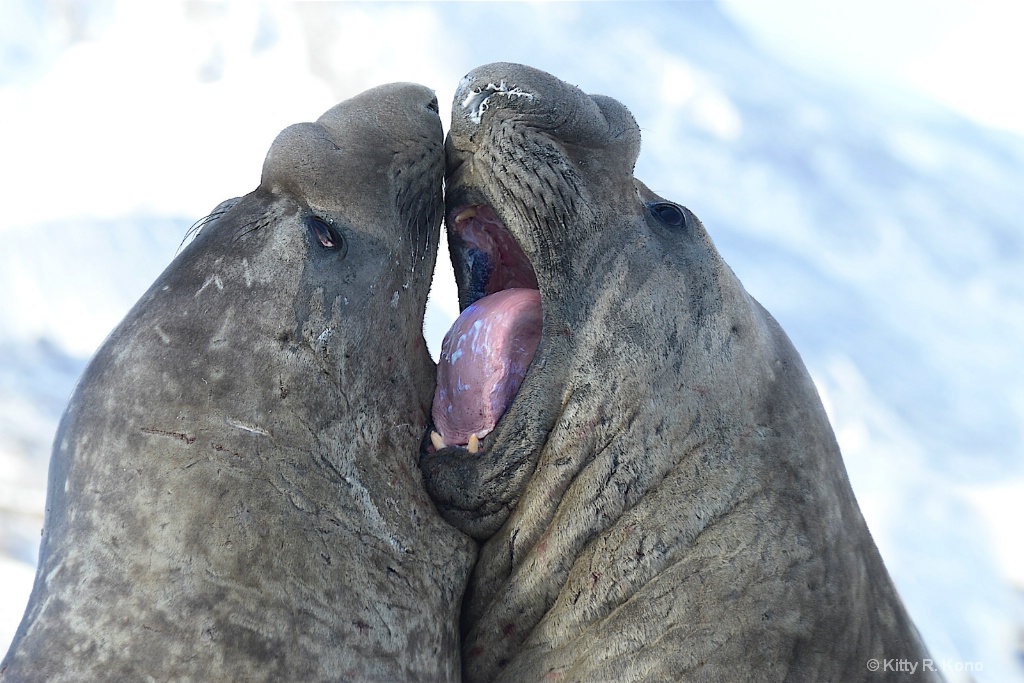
[(913, 666)]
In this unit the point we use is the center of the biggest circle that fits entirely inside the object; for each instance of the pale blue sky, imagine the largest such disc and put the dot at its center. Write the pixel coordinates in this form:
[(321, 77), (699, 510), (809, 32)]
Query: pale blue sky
[(967, 55)]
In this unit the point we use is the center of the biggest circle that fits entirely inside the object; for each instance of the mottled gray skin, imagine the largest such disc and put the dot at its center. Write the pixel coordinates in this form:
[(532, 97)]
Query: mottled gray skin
[(665, 499), (233, 492)]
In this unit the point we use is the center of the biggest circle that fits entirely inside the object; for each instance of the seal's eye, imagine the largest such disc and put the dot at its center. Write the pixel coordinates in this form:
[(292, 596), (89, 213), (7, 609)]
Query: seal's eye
[(667, 213), (325, 233)]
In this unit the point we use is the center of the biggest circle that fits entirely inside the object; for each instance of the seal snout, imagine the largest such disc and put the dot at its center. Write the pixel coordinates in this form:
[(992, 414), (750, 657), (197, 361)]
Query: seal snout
[(487, 353), (476, 98)]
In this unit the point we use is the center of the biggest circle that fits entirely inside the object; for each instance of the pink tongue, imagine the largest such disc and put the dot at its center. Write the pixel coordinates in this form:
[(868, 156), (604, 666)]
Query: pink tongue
[(483, 360)]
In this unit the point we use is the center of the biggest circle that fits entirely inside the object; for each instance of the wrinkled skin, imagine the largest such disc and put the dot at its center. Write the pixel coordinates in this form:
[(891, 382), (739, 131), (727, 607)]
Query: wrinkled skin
[(233, 492), (664, 499)]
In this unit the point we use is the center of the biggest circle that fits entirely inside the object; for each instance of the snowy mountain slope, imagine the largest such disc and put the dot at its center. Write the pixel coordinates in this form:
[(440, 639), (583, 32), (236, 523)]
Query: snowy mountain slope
[(884, 233)]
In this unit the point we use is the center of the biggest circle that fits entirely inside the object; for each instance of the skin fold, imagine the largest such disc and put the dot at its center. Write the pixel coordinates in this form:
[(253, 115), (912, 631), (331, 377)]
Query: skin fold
[(664, 499), (233, 493)]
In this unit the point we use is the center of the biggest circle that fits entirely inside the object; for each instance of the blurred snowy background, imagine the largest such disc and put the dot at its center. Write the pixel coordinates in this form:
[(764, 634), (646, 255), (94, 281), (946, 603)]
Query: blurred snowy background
[(860, 166)]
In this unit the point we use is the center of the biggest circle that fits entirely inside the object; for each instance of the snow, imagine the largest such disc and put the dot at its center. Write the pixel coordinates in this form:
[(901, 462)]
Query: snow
[(880, 228)]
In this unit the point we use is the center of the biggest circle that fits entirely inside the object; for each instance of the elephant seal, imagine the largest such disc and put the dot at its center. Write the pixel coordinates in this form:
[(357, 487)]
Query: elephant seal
[(663, 497), (234, 492)]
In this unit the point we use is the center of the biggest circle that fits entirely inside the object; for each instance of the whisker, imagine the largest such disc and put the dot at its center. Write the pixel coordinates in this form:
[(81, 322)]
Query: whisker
[(248, 229), (199, 225)]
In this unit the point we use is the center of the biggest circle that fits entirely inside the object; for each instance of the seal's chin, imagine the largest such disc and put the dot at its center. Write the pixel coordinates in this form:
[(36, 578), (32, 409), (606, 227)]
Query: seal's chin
[(486, 353)]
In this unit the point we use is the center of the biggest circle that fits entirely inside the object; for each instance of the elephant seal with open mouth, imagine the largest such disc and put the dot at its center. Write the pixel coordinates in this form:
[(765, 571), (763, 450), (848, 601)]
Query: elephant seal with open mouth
[(234, 492), (631, 437)]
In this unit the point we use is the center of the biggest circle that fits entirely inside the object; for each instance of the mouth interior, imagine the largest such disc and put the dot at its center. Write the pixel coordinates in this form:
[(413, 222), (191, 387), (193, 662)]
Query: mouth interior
[(489, 348)]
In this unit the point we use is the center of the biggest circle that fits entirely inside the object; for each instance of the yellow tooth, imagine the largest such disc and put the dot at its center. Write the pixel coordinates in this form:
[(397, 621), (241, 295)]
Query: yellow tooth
[(474, 443), (465, 214), (436, 439)]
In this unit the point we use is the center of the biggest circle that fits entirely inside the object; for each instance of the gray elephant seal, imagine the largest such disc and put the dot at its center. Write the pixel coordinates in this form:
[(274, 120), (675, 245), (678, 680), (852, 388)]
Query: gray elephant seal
[(663, 497), (234, 493)]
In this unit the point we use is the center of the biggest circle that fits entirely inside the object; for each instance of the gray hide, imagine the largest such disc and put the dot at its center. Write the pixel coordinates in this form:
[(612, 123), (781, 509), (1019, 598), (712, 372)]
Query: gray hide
[(664, 499), (233, 491)]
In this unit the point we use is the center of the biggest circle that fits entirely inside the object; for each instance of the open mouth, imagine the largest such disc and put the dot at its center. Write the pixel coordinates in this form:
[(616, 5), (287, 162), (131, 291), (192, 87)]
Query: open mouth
[(486, 353)]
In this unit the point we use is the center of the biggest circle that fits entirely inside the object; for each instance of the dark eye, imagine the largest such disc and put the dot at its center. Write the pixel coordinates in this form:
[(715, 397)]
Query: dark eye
[(667, 213), (325, 233)]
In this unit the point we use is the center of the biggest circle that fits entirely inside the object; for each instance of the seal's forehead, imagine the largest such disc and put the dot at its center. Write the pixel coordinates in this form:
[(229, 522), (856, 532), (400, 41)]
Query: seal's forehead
[(354, 144), (396, 109)]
